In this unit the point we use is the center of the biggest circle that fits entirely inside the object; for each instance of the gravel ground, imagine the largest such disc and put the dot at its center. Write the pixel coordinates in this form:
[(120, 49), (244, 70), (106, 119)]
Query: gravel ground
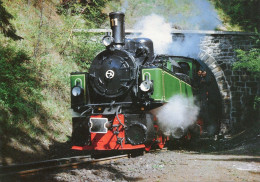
[(237, 159), (162, 166), (169, 166)]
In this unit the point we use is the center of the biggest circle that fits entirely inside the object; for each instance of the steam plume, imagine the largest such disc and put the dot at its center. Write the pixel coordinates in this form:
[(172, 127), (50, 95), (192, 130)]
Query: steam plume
[(155, 28), (179, 112), (201, 16)]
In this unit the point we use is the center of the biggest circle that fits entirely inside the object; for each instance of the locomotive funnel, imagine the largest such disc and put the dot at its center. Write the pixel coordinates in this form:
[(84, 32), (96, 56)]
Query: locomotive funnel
[(117, 23)]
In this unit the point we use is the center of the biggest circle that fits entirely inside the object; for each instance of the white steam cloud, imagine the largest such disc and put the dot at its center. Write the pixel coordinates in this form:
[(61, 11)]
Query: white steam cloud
[(160, 32), (201, 16), (155, 28), (179, 112)]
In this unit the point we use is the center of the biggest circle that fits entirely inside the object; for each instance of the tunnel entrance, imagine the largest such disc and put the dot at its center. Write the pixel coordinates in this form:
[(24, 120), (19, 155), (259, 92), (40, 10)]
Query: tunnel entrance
[(210, 101), (219, 95)]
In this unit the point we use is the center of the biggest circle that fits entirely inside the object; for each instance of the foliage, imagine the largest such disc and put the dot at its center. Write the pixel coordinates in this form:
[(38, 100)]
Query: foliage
[(249, 60), (83, 48), (5, 26), (91, 11), (244, 13), (257, 104), (19, 90)]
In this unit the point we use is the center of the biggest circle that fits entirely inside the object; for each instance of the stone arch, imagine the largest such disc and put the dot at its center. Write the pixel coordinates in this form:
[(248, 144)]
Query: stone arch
[(223, 86)]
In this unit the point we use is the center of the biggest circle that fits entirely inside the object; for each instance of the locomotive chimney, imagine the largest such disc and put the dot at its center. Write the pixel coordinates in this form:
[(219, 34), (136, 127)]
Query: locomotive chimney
[(117, 23)]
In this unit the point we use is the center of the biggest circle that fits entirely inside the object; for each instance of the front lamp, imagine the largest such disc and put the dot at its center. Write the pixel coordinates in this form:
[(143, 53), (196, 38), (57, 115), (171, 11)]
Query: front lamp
[(76, 91), (107, 40), (146, 85)]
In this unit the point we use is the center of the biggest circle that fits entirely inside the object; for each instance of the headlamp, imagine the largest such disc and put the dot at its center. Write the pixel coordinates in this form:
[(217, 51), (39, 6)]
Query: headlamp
[(107, 40), (76, 91), (146, 85)]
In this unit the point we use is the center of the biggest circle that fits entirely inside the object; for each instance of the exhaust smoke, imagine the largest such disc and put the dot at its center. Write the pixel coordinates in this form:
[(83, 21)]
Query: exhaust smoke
[(155, 28), (160, 32), (200, 16)]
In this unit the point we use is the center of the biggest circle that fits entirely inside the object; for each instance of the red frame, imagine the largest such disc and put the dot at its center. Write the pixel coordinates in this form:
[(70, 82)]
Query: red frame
[(108, 141)]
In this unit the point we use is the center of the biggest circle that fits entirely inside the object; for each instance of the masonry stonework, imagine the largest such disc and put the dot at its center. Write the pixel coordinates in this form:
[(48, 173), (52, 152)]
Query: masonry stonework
[(238, 88)]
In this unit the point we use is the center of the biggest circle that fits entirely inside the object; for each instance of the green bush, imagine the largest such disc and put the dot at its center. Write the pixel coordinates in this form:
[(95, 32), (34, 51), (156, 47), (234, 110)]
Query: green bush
[(249, 60)]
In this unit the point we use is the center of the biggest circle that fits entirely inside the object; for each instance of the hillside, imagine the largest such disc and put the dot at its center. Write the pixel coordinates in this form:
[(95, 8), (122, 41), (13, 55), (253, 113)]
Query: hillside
[(34, 80)]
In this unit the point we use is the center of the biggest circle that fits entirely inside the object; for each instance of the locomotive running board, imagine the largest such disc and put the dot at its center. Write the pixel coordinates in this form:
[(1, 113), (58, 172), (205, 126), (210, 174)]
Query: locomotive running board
[(98, 125)]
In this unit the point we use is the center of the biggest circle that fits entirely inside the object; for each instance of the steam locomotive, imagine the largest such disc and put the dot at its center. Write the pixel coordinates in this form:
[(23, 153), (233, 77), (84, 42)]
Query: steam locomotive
[(112, 103)]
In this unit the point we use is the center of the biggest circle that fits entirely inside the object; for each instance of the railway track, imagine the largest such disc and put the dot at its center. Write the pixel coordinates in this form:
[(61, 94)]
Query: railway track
[(36, 167)]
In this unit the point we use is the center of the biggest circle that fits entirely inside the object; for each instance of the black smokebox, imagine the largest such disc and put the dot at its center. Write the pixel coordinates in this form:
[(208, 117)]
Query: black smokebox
[(117, 23)]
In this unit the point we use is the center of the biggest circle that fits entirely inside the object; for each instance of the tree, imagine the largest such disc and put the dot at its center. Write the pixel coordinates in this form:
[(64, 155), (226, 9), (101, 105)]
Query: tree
[(5, 26), (244, 13)]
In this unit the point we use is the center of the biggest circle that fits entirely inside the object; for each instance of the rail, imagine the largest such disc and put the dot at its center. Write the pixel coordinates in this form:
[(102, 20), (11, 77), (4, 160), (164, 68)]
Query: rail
[(29, 168), (35, 167)]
